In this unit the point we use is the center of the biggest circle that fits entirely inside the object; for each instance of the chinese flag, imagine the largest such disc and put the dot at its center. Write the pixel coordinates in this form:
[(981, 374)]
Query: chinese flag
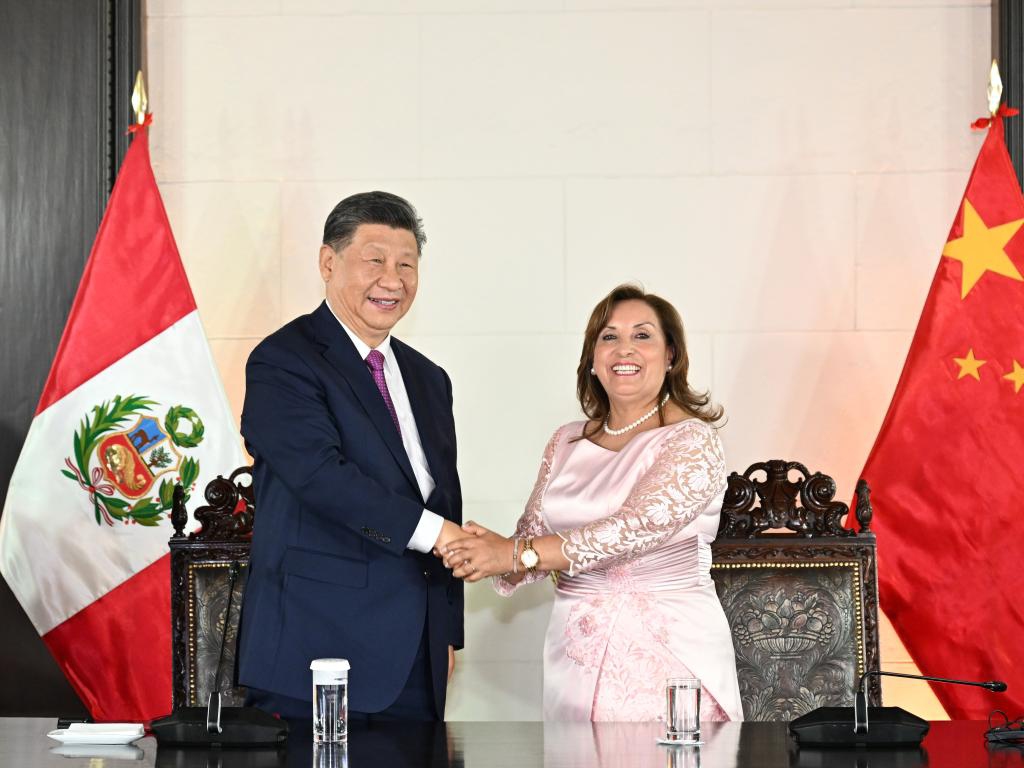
[(947, 469)]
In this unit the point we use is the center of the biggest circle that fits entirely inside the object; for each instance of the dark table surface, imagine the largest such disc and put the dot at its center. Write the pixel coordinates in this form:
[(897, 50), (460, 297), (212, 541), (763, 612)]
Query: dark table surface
[(23, 743)]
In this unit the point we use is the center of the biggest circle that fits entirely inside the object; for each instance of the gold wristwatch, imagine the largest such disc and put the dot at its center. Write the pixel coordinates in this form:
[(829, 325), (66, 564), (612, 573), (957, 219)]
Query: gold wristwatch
[(528, 556)]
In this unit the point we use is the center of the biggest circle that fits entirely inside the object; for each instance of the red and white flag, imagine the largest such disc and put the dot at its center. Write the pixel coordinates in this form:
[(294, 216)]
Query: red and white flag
[(132, 405)]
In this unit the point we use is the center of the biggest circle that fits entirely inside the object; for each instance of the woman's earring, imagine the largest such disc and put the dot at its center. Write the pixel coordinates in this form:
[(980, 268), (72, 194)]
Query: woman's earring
[(593, 372)]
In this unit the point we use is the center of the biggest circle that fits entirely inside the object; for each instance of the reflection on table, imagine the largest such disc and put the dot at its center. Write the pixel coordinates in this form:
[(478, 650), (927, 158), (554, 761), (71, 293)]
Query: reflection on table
[(23, 743)]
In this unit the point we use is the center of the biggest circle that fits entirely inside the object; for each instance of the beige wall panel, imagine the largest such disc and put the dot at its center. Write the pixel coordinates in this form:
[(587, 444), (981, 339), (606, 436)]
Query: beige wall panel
[(511, 393), (842, 91), (733, 253), (500, 516), (327, 7), (902, 224), (209, 86), (296, 114), (520, 95), (507, 628), (340, 120), (230, 356), (212, 7), (814, 398), (913, 695), (779, 4), (892, 649), (494, 690), (492, 263), (920, 3), (633, 5), (228, 235), (699, 346)]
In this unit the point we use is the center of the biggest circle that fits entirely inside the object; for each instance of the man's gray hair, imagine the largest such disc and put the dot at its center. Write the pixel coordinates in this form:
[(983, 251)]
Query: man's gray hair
[(371, 208)]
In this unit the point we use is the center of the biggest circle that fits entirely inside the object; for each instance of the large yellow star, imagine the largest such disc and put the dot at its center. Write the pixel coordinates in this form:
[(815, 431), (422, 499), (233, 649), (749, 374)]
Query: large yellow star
[(969, 365), (1017, 376), (980, 250)]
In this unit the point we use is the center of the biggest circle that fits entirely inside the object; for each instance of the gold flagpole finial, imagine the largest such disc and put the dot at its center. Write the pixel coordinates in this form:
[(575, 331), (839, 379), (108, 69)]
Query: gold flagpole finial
[(139, 101), (995, 89)]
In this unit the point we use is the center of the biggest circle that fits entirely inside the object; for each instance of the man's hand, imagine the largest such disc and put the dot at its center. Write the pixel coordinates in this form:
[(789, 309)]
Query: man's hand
[(481, 554), (451, 662), (449, 533)]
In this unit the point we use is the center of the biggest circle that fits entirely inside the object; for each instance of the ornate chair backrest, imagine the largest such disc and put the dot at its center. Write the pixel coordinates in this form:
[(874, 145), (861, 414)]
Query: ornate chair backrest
[(802, 603), (200, 566)]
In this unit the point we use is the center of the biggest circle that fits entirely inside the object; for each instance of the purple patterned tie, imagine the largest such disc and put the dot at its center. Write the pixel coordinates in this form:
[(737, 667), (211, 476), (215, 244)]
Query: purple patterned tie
[(375, 362)]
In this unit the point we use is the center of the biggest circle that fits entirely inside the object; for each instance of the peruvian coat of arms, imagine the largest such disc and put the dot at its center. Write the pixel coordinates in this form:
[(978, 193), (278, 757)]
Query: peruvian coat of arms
[(121, 466)]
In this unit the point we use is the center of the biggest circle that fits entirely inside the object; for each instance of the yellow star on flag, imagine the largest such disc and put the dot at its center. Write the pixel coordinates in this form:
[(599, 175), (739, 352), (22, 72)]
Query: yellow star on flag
[(980, 250), (969, 365), (1017, 376)]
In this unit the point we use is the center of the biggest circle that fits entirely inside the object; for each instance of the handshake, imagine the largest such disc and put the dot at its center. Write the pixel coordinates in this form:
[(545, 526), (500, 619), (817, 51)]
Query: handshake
[(473, 552)]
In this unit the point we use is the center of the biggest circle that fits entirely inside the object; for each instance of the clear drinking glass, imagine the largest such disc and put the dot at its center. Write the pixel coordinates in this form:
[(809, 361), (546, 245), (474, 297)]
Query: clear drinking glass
[(682, 714), (330, 700)]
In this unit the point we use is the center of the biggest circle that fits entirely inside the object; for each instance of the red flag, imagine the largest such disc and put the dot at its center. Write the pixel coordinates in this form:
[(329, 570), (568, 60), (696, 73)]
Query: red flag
[(132, 405), (947, 469)]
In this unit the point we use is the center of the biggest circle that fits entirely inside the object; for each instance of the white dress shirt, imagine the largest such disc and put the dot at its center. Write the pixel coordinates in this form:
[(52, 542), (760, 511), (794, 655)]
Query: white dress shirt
[(429, 526)]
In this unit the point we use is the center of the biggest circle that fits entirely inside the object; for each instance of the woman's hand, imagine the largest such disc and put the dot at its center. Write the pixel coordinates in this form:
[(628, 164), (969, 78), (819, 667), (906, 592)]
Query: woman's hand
[(481, 554)]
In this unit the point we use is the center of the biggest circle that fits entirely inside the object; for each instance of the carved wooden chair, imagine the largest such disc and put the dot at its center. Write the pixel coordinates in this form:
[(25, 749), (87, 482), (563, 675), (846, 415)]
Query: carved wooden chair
[(201, 564), (800, 591)]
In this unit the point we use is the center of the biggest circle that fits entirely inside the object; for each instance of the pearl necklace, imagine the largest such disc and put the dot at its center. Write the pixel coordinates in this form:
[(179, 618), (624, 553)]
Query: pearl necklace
[(638, 422)]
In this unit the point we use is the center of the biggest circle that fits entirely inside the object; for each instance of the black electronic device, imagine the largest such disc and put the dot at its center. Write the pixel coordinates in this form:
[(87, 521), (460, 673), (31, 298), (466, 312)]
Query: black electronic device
[(864, 726), (216, 726)]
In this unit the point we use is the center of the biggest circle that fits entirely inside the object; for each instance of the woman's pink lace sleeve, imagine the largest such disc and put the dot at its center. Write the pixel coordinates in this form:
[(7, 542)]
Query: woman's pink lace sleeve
[(531, 523), (687, 474)]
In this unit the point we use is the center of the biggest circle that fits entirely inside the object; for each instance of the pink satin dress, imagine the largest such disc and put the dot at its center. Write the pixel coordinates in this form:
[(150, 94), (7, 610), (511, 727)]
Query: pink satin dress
[(638, 604)]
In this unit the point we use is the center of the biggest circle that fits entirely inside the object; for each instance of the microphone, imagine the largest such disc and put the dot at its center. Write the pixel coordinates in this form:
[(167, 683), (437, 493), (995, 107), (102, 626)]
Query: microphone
[(892, 726), (993, 685)]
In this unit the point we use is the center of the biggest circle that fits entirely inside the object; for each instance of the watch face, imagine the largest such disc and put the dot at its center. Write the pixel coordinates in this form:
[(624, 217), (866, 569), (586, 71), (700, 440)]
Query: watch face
[(529, 558)]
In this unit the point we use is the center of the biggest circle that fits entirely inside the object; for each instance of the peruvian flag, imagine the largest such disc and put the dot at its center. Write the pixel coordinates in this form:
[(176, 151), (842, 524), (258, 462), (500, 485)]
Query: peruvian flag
[(946, 469), (133, 404)]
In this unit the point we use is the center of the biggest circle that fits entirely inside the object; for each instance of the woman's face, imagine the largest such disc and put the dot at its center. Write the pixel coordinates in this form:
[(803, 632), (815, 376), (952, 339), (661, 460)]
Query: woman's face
[(631, 355)]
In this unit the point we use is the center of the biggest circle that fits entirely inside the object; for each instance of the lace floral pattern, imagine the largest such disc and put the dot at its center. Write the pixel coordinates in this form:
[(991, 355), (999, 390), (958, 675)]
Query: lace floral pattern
[(631, 687), (531, 523), (592, 620), (687, 474)]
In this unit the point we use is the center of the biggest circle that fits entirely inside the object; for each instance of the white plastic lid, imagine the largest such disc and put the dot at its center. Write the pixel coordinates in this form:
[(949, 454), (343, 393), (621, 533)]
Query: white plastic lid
[(330, 665), (329, 671)]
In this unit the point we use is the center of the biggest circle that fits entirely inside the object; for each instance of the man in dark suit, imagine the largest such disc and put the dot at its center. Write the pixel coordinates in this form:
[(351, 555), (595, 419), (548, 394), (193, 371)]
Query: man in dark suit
[(353, 439)]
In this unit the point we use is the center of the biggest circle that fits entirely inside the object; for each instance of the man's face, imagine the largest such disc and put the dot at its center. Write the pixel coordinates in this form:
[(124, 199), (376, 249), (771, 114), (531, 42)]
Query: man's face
[(372, 282)]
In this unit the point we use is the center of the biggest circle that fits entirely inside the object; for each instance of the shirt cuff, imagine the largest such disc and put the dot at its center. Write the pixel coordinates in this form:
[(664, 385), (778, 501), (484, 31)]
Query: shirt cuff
[(426, 533)]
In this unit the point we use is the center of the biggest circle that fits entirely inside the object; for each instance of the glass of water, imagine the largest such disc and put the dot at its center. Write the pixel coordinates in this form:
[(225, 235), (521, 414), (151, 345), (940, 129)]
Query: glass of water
[(330, 700), (682, 713)]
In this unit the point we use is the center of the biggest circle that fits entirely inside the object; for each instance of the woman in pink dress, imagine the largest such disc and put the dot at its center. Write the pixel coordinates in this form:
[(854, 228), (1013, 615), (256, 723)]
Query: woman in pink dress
[(625, 508)]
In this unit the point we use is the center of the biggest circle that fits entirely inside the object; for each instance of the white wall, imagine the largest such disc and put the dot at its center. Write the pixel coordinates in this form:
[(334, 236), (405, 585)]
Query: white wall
[(784, 172)]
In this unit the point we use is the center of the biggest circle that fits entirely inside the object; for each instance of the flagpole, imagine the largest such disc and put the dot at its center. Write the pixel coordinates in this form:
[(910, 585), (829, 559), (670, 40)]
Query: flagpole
[(140, 103), (995, 88)]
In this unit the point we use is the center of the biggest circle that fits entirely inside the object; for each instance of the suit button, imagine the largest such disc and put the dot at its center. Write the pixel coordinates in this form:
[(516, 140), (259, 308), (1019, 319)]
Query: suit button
[(426, 574)]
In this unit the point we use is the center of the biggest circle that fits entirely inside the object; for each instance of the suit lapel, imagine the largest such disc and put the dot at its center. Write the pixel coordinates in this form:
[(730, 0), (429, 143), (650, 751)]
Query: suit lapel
[(421, 407), (343, 357)]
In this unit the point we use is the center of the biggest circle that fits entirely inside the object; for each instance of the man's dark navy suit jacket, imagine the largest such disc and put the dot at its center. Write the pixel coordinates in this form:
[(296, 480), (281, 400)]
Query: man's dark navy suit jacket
[(337, 503)]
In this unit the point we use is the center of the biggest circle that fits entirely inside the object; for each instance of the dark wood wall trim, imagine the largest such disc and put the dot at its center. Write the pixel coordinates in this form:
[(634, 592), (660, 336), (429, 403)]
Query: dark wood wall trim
[(68, 68), (124, 46), (1008, 50)]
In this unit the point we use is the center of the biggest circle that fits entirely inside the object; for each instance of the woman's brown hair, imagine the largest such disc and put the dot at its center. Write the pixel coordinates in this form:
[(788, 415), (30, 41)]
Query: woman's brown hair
[(591, 394)]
